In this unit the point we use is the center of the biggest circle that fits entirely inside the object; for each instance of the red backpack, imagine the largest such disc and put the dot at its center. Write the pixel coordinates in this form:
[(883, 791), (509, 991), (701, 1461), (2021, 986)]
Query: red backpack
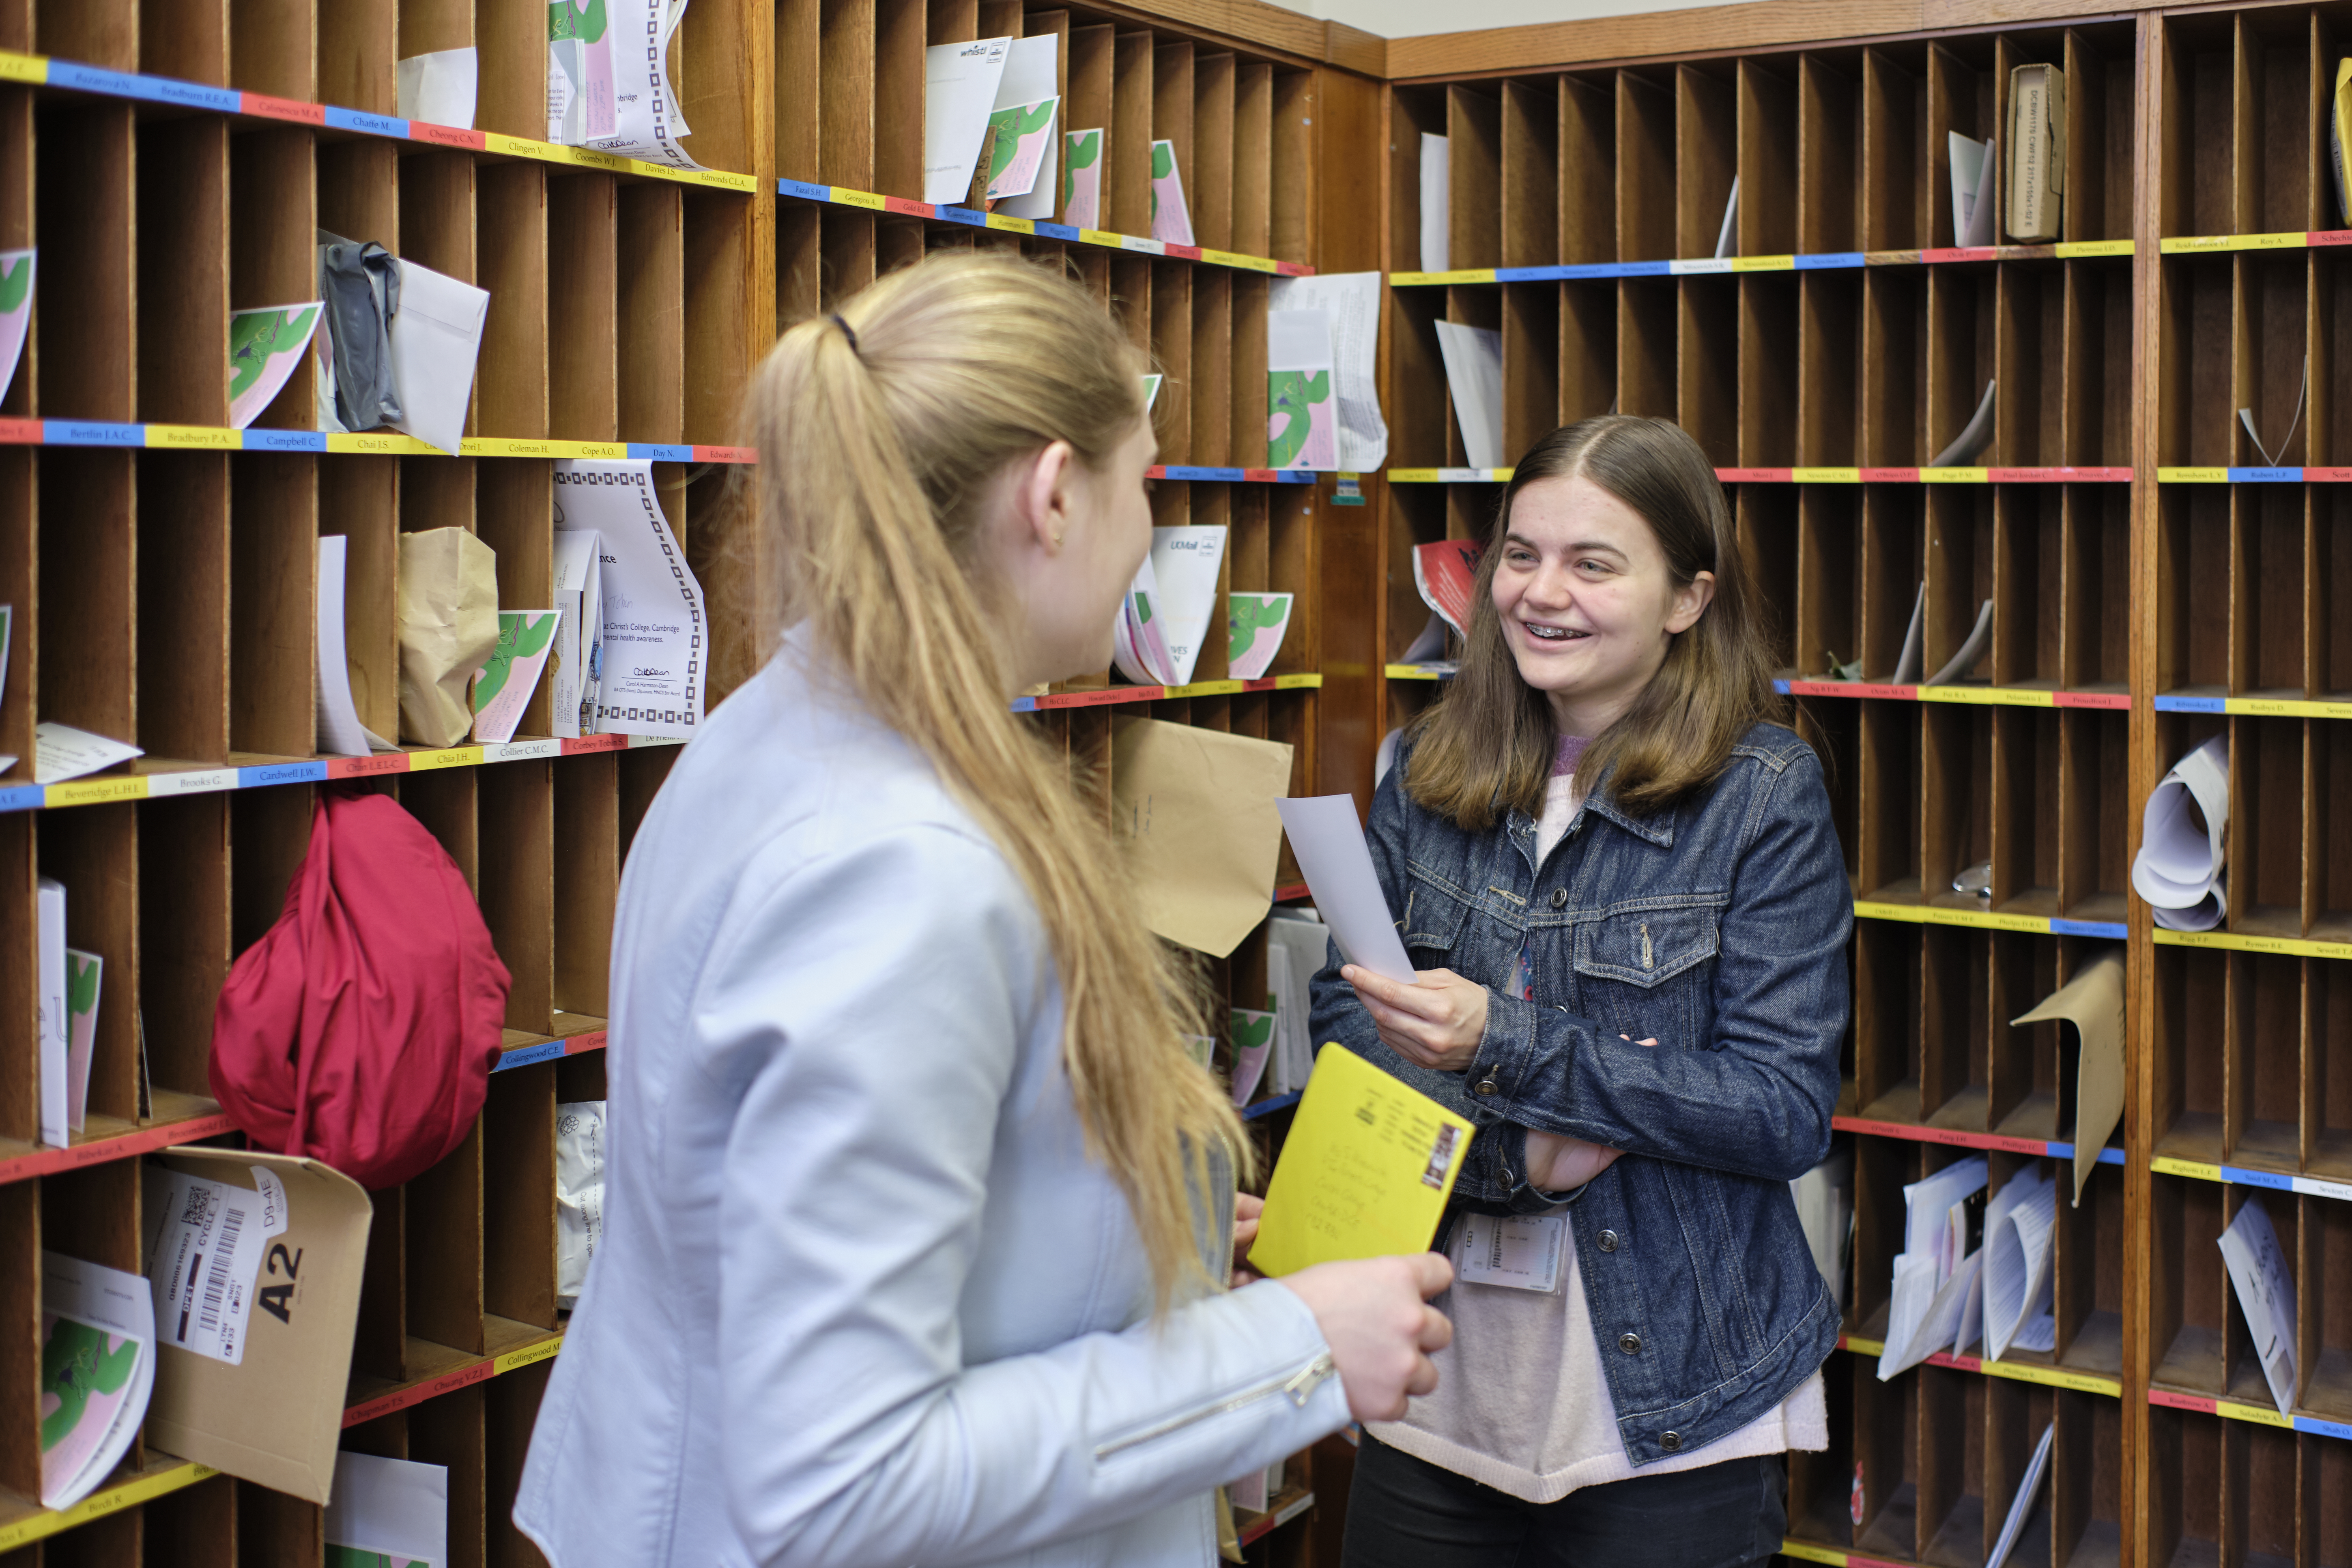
[(361, 1029)]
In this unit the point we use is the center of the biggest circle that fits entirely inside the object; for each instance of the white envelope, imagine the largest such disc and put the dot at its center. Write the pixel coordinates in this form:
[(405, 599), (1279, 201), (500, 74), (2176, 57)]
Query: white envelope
[(435, 339), (438, 87)]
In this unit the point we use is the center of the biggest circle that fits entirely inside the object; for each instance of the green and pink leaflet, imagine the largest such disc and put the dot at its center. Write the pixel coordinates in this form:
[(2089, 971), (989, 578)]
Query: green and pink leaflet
[(15, 310), (1255, 624), (1082, 179), (98, 1331), (1252, 1034), (1022, 133), (580, 72), (1302, 426), (526, 637), (82, 972), (1171, 221), (264, 348)]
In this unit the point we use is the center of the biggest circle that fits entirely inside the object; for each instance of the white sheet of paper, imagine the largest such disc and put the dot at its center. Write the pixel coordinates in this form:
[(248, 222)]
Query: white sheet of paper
[(204, 1243), (1297, 340), (2178, 864), (49, 1001), (1824, 1200), (1726, 239), (2021, 1507), (656, 647), (1978, 639), (1473, 376), (340, 732), (2265, 1294), (2273, 457), (1330, 844), (393, 1506), (116, 1305), (579, 640), (613, 95), (16, 278), (1185, 561), (1353, 302), (1436, 186), (1972, 168), (1974, 438), (435, 340), (960, 83), (438, 87), (61, 752), (1032, 71)]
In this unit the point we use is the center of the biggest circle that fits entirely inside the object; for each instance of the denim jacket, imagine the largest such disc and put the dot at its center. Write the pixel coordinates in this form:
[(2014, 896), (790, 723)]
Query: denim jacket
[(1720, 929)]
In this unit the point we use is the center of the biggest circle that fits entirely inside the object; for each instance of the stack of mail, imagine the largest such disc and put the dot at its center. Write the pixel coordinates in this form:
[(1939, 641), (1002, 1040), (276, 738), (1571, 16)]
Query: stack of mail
[(1934, 1300)]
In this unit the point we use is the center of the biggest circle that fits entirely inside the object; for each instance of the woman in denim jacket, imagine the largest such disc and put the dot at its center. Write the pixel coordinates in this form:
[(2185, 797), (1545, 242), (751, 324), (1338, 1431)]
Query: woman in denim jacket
[(1622, 890)]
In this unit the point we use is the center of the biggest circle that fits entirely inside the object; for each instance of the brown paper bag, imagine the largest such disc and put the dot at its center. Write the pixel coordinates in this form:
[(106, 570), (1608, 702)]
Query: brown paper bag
[(1196, 808), (448, 614)]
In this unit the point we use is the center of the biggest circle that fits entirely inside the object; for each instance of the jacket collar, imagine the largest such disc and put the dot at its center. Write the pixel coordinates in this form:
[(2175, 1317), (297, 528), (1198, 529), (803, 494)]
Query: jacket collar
[(1658, 830)]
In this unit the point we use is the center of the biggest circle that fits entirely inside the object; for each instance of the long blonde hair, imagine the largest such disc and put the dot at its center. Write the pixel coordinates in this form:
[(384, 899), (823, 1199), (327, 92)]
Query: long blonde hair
[(876, 453)]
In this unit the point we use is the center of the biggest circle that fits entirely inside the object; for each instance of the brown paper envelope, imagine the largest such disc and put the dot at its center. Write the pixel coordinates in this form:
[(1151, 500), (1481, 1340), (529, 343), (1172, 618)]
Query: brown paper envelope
[(2093, 1001), (1195, 808), (449, 621)]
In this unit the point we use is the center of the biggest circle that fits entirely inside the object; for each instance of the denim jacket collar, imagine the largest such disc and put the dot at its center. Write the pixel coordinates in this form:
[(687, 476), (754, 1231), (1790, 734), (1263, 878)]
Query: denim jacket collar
[(1658, 830)]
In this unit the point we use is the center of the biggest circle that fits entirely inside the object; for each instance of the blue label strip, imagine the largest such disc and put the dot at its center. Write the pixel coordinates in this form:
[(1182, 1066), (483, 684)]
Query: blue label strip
[(1268, 1107), (2113, 931), (369, 124), (654, 452), (2191, 705), (524, 1055), (964, 215)]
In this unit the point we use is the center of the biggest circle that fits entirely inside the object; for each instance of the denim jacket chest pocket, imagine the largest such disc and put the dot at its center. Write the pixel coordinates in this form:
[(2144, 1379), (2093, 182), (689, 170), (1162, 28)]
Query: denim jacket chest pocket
[(1434, 912), (1646, 969)]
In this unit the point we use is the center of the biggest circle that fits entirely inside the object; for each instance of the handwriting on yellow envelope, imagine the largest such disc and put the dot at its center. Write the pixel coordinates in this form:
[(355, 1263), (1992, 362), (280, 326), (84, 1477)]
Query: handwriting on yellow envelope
[(1365, 1171)]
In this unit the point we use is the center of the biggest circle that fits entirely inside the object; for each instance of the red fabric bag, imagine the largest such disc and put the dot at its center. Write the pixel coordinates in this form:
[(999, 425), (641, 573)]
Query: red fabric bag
[(362, 1029)]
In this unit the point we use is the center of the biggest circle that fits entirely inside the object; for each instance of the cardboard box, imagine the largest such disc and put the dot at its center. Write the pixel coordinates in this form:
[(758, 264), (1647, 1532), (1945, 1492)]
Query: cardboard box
[(276, 1416)]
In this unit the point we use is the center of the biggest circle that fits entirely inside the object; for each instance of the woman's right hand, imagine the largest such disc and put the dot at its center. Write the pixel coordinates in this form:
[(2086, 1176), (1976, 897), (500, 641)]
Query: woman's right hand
[(1558, 1163), (1374, 1316)]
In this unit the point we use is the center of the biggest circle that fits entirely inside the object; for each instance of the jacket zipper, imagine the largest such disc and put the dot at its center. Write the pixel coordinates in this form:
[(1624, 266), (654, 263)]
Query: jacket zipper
[(1299, 1385)]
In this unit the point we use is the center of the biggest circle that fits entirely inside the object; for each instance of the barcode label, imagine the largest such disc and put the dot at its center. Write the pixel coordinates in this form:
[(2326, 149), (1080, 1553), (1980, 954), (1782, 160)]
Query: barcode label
[(204, 1240)]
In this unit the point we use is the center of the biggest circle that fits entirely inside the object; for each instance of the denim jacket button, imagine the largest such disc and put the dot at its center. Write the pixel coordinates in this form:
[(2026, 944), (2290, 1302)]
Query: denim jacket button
[(1631, 1344), (1672, 1442), (1486, 1084), (1608, 1240), (1559, 898)]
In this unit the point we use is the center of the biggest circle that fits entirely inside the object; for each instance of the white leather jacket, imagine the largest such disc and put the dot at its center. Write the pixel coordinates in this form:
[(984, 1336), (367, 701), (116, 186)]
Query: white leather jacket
[(861, 1300)]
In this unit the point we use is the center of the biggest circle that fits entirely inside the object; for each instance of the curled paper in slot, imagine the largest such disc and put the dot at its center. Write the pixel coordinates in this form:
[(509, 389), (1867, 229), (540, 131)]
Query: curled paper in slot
[(1907, 666), (2179, 862), (1474, 379), (1961, 662), (2093, 1001), (1975, 438), (2018, 1279), (1436, 184), (2273, 458), (1972, 171), (2021, 1507), (2202, 915)]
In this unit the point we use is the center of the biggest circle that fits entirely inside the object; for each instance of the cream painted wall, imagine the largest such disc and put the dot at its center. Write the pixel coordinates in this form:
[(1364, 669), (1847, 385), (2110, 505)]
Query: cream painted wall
[(1411, 18)]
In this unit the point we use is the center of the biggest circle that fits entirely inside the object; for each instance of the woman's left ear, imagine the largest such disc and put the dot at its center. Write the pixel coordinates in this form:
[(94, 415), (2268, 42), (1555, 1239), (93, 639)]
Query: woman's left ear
[(1690, 601)]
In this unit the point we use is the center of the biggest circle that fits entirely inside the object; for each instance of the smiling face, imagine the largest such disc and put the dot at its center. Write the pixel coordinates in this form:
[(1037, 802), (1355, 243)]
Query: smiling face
[(1587, 602)]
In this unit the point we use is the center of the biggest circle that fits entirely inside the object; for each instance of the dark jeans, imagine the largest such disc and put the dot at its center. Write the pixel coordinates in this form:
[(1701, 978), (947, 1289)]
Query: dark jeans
[(1404, 1512)]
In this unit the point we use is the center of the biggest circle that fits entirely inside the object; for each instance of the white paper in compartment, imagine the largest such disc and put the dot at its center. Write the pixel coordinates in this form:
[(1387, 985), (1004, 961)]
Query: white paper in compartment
[(960, 83), (1328, 843), (579, 1195), (1353, 302), (1473, 376), (1032, 71), (340, 732), (393, 1506), (655, 638), (2019, 1224), (1973, 189), (2177, 864), (1298, 342), (1436, 184), (1304, 944), (2265, 1295), (435, 339), (49, 998), (1185, 560), (61, 752), (438, 87), (2021, 1507), (579, 640)]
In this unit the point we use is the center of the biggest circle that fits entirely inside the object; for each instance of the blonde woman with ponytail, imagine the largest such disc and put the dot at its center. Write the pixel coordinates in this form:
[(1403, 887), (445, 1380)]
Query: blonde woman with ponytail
[(918, 1213)]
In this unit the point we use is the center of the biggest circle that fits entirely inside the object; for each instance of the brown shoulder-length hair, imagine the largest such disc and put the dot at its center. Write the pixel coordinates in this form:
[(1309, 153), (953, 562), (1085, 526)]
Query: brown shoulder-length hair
[(1488, 746)]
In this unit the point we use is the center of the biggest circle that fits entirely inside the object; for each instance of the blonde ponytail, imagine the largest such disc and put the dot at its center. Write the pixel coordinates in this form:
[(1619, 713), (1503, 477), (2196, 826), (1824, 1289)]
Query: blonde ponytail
[(879, 431)]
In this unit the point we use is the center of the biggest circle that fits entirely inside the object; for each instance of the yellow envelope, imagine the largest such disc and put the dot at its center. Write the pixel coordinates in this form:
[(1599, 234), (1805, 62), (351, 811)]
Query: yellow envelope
[(1365, 1172)]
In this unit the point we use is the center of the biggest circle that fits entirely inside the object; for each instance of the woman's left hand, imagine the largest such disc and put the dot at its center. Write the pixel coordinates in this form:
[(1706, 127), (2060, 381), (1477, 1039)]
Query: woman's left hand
[(1436, 1023), (1247, 1207)]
